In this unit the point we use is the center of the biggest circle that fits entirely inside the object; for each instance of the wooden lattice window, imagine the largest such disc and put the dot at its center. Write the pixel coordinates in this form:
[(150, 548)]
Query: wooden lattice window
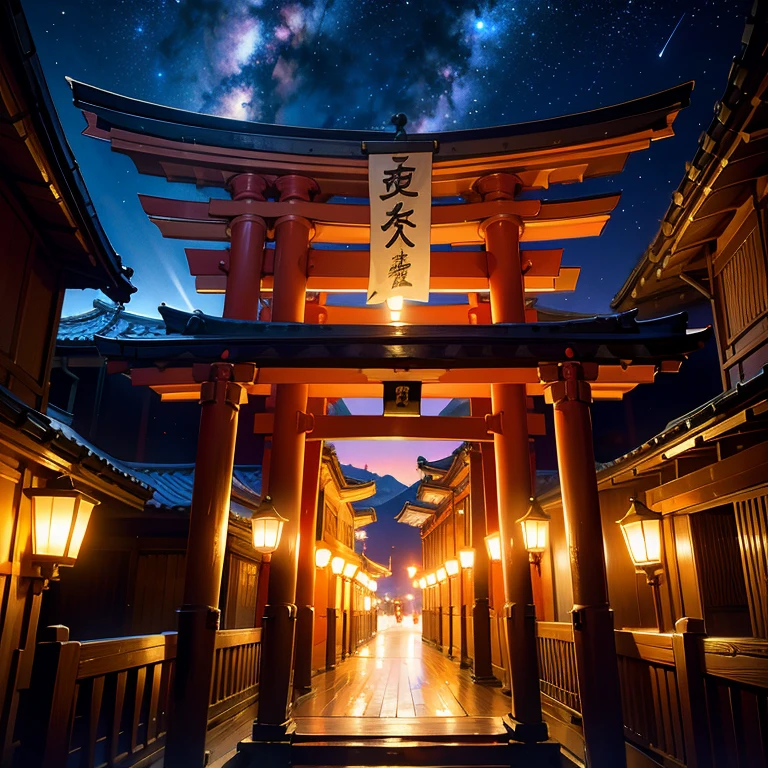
[(744, 287)]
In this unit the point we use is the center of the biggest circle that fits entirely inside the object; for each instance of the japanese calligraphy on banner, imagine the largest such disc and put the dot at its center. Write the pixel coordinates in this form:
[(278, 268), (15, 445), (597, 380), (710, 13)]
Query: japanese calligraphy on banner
[(400, 186)]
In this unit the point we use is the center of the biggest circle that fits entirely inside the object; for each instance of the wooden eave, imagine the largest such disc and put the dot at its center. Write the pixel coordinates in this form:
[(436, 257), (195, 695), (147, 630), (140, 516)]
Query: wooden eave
[(740, 412), (414, 514), (37, 162), (731, 157), (208, 150)]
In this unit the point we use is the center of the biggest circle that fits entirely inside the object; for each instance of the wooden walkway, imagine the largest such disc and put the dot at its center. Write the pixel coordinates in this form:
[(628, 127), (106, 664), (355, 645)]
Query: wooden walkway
[(393, 678)]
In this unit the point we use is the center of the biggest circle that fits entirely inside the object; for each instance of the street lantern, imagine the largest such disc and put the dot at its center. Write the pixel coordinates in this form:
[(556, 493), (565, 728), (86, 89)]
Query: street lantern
[(337, 565), (411, 571), (60, 516), (493, 545), (423, 583), (467, 557), (267, 527), (452, 567), (641, 527), (431, 579), (367, 603), (535, 525), (322, 557), (442, 574), (373, 585), (361, 578), (350, 569)]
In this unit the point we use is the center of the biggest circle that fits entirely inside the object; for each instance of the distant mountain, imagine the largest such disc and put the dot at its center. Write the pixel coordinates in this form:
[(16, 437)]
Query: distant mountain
[(387, 487), (403, 542)]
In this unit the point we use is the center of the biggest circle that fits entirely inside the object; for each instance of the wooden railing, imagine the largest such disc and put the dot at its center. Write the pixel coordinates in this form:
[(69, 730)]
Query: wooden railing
[(107, 702), (650, 696), (557, 663), (235, 673), (688, 698)]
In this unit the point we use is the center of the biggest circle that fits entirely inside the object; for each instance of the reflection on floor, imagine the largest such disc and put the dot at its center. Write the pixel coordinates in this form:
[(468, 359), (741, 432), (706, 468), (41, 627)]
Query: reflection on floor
[(396, 676)]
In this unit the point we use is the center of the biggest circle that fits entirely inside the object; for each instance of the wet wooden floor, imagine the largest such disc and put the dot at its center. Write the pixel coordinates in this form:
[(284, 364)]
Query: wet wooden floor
[(397, 676)]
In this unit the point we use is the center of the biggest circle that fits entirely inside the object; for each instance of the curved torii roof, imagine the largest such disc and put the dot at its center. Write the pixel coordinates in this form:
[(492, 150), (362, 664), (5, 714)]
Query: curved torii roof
[(208, 150)]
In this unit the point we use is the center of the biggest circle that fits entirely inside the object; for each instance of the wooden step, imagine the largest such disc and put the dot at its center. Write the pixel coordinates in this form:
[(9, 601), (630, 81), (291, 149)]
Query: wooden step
[(390, 751), (432, 729)]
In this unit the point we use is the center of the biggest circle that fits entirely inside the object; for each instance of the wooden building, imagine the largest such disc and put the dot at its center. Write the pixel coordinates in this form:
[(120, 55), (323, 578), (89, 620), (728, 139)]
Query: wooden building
[(52, 240)]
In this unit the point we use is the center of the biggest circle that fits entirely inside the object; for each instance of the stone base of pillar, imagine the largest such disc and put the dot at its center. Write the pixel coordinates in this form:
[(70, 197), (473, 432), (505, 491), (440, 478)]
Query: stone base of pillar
[(192, 681), (482, 667), (302, 674), (276, 671), (527, 733), (269, 747), (542, 754)]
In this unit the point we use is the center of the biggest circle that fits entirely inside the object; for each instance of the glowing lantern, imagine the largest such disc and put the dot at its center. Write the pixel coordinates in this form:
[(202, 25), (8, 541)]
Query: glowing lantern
[(350, 569), (452, 567), (467, 557), (535, 525), (411, 571), (493, 544), (267, 527), (442, 575), (373, 585), (431, 579), (367, 603), (337, 565), (60, 516), (322, 557), (642, 532), (423, 583)]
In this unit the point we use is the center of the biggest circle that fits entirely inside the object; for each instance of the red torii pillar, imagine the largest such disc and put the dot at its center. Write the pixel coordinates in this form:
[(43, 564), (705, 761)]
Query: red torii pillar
[(246, 251), (597, 667), (292, 237), (220, 399), (513, 474)]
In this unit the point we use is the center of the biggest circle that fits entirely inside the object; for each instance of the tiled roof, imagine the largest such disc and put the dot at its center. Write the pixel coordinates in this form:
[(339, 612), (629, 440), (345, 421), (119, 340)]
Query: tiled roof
[(107, 320), (172, 484)]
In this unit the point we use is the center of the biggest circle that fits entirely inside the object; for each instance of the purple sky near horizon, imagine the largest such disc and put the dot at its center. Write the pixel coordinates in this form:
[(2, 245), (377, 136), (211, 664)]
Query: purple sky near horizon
[(392, 457)]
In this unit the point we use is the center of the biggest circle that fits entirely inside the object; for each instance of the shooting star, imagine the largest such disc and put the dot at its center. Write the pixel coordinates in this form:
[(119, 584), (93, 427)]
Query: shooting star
[(671, 36)]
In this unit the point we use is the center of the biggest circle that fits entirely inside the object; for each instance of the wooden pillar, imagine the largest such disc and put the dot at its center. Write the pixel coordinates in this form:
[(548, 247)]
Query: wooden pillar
[(220, 399), (687, 646), (246, 251), (292, 236), (482, 669), (596, 662), (513, 476), (332, 615), (305, 582)]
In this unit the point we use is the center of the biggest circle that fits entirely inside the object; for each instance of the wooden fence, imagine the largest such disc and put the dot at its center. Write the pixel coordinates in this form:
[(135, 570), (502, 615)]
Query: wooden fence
[(106, 702), (687, 698)]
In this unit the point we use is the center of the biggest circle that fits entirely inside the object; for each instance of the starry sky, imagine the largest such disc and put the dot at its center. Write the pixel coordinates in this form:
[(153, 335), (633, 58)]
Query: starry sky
[(351, 64)]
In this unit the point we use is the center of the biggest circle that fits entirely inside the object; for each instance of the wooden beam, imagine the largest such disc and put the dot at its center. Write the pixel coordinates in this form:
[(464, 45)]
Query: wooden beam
[(336, 223), (463, 428)]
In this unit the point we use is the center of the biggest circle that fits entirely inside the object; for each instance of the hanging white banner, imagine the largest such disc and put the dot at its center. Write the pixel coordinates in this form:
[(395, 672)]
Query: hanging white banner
[(400, 188)]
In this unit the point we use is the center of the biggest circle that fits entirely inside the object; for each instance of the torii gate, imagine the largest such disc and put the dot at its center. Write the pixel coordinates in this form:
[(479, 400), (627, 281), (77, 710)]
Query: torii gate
[(283, 181)]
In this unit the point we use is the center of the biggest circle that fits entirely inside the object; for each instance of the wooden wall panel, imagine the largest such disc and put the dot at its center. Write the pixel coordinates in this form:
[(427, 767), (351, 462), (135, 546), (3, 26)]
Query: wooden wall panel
[(242, 591), (158, 592), (721, 578), (752, 527)]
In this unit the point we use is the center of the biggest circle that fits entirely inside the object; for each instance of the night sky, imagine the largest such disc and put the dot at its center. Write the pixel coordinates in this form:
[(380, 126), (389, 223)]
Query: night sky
[(351, 64)]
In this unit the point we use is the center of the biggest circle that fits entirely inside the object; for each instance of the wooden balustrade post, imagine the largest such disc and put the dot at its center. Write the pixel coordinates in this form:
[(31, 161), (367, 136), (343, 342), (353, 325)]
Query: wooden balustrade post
[(688, 649), (51, 701)]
